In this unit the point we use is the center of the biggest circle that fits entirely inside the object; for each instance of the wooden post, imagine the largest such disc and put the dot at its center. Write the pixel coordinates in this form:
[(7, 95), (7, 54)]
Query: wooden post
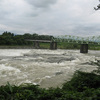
[(53, 45), (84, 48), (36, 44)]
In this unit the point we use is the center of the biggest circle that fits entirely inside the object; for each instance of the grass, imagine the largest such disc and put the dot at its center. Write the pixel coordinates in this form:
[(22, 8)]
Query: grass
[(60, 45), (94, 47), (64, 45)]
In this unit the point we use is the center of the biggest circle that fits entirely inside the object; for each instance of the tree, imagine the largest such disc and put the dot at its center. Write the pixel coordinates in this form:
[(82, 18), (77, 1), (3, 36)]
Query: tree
[(98, 7), (8, 34), (27, 36)]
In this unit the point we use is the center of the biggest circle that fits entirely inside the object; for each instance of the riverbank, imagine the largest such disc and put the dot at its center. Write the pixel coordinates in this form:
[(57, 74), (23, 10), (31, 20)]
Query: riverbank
[(60, 45), (83, 86), (17, 47)]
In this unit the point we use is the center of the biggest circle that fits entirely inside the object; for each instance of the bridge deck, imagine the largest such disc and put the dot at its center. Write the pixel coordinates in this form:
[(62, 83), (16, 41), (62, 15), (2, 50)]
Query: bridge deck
[(46, 41)]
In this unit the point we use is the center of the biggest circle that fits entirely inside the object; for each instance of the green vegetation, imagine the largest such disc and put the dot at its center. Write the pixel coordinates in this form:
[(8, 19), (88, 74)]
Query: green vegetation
[(9, 40), (45, 45), (83, 86), (94, 47), (61, 45), (64, 45)]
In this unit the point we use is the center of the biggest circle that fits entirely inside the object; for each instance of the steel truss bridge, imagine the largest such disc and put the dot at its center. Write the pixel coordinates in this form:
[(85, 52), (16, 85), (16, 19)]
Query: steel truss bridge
[(77, 39)]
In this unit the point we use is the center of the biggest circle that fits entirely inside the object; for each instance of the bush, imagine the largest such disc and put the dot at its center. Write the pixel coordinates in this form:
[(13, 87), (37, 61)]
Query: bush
[(81, 81)]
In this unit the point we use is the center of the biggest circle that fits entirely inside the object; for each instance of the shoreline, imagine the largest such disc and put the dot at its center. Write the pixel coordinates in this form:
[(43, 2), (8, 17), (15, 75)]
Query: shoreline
[(32, 47), (17, 47)]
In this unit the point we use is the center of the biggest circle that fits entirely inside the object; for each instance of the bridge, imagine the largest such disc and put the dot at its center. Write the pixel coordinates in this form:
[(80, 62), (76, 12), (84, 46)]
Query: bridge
[(77, 39), (53, 45), (83, 41)]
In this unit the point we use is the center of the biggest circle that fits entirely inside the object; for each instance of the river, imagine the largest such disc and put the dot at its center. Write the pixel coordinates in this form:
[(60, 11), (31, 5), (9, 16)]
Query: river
[(48, 68)]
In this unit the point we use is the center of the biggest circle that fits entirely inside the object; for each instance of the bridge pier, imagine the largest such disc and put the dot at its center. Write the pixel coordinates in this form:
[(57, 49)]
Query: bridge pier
[(53, 45), (84, 48), (36, 44)]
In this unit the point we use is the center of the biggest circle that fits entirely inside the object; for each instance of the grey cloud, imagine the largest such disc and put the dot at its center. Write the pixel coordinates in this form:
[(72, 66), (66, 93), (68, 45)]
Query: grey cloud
[(53, 17), (13, 9), (41, 3), (39, 7), (86, 30)]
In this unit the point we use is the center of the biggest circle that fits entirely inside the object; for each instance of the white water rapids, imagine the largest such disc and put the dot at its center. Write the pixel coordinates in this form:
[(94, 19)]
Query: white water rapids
[(48, 68)]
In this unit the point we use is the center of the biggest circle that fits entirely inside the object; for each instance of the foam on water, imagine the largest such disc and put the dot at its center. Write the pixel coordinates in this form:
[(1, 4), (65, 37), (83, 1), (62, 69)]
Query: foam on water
[(8, 69), (13, 52), (48, 68)]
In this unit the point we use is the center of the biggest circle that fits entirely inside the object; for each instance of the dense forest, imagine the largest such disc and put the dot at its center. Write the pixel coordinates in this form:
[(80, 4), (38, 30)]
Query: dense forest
[(8, 38)]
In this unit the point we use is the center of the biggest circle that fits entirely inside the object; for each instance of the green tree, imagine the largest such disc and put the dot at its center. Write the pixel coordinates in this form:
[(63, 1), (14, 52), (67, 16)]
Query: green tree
[(7, 38), (98, 7), (27, 36)]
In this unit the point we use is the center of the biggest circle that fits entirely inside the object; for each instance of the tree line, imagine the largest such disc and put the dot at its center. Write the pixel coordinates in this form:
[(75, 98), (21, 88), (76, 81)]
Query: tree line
[(8, 38)]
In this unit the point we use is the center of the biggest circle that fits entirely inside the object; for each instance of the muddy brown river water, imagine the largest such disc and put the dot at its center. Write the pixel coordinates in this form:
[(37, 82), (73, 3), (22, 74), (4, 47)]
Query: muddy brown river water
[(48, 68)]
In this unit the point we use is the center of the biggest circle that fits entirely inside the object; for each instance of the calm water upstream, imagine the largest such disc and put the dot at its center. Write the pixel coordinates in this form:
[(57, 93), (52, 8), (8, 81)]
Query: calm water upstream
[(48, 68)]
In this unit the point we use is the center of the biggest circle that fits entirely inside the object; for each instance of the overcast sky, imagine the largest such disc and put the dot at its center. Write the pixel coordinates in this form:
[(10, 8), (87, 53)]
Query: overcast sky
[(51, 17)]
